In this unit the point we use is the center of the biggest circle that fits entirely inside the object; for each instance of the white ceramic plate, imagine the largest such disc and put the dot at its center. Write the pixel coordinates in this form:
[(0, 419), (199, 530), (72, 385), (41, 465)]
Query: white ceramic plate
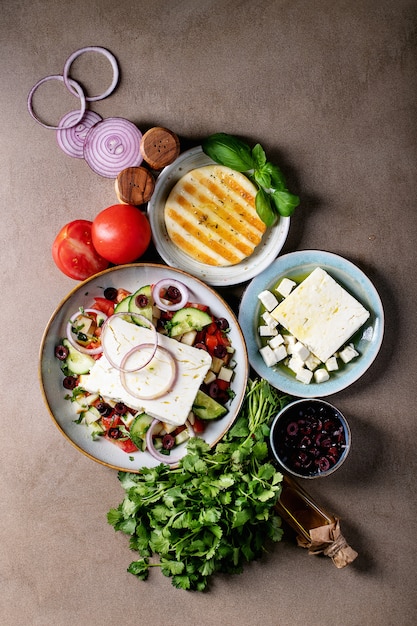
[(130, 277), (270, 246), (367, 341)]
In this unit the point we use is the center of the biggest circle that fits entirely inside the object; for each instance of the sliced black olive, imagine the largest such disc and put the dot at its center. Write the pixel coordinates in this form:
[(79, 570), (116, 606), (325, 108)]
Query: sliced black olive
[(110, 293), (61, 352), (70, 382)]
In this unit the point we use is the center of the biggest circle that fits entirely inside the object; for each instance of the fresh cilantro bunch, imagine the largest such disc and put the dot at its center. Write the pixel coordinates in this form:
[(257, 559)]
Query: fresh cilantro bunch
[(272, 198), (214, 512)]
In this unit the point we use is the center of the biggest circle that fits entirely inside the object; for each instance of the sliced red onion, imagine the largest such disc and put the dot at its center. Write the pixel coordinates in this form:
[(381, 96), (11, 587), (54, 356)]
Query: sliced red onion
[(166, 385), (71, 136), (78, 90), (70, 334), (108, 55), (163, 458), (147, 323), (113, 145), (164, 304)]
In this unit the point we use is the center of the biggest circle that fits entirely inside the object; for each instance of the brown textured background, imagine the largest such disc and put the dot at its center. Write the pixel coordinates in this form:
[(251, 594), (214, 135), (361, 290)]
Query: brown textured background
[(329, 89)]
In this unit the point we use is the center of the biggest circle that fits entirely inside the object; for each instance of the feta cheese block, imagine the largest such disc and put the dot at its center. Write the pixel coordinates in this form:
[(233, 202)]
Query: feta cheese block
[(321, 314), (174, 406)]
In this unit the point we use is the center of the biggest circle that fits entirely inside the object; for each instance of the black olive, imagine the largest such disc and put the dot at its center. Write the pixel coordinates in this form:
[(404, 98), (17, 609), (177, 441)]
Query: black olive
[(70, 382), (168, 442), (201, 346), (120, 408), (222, 323), (141, 301), (214, 390), (172, 294), (104, 409), (110, 293), (114, 433), (61, 352), (220, 351)]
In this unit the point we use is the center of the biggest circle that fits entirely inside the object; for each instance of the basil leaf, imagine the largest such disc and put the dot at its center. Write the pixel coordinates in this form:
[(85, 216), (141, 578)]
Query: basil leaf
[(277, 177), (229, 151), (285, 202), (262, 178), (264, 208), (259, 156)]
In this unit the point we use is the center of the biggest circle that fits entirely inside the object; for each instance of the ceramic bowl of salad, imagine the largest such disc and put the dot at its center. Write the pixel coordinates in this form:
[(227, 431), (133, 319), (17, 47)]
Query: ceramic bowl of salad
[(269, 247), (313, 323), (310, 438), (139, 358)]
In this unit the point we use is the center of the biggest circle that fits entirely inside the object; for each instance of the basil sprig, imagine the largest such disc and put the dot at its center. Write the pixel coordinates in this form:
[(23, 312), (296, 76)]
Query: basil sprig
[(272, 198)]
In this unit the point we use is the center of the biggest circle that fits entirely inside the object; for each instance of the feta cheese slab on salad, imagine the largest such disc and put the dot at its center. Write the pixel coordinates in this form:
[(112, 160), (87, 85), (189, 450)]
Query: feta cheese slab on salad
[(174, 406)]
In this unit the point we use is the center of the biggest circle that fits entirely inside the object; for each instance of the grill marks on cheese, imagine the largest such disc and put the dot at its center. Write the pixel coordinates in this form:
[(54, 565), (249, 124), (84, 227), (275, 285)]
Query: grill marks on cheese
[(210, 215)]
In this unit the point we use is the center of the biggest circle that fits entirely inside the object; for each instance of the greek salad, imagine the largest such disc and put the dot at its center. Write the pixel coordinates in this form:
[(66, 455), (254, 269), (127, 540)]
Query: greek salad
[(168, 348)]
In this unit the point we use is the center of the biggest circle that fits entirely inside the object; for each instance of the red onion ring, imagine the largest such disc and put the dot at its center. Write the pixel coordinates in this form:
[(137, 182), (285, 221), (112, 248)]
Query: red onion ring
[(113, 145), (108, 55), (165, 305), (77, 89), (70, 335), (148, 324), (71, 136), (163, 458), (167, 385)]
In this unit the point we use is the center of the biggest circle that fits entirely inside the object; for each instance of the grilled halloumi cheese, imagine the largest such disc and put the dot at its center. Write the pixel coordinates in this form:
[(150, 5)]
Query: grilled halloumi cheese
[(210, 215)]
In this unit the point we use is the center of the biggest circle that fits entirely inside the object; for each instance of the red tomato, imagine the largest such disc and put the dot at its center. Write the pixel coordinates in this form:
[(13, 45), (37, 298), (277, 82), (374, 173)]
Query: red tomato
[(121, 233), (74, 253)]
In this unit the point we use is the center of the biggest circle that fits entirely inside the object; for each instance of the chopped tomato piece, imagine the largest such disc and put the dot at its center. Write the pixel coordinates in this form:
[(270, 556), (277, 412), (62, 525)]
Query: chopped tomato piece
[(223, 384), (197, 305), (111, 421), (199, 426), (122, 294), (104, 305), (124, 444)]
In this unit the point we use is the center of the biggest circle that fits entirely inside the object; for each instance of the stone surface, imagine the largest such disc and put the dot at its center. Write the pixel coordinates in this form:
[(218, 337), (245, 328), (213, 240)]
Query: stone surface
[(329, 89)]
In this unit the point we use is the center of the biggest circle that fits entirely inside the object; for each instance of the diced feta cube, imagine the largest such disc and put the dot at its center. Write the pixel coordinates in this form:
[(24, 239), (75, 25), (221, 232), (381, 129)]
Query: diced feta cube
[(285, 287), (267, 331), (276, 341), (348, 353), (269, 320), (268, 356), (321, 375), (295, 364), (304, 376), (332, 364), (301, 351), (225, 374), (280, 353), (268, 299), (289, 340), (312, 362)]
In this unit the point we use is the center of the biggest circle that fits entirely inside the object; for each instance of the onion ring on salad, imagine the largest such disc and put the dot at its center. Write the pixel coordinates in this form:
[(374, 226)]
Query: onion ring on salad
[(165, 304), (166, 383), (163, 458), (147, 324), (70, 334)]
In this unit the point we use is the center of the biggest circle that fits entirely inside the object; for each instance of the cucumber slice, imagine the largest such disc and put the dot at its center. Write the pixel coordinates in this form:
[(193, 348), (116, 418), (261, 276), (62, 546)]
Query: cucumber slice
[(122, 307), (207, 408), (146, 311), (138, 429), (76, 362), (187, 319)]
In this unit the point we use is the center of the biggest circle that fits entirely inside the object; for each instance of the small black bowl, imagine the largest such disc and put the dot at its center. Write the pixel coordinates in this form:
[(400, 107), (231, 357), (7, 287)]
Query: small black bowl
[(310, 438)]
